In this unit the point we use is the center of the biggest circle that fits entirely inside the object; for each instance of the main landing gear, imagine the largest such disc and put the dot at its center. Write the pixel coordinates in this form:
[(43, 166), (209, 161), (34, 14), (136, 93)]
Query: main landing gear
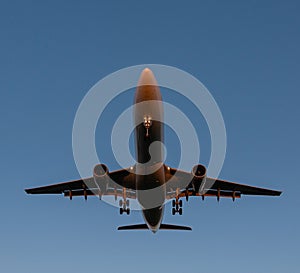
[(176, 206), (124, 204)]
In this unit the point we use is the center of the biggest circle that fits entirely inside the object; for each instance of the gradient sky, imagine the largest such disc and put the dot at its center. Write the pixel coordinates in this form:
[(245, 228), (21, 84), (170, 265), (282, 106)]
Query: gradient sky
[(247, 55)]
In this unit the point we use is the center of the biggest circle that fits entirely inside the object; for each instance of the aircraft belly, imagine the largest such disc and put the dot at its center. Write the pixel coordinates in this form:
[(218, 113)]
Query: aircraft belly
[(151, 189)]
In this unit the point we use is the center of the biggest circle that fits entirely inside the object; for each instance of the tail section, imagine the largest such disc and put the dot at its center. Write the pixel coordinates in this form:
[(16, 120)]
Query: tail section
[(162, 227)]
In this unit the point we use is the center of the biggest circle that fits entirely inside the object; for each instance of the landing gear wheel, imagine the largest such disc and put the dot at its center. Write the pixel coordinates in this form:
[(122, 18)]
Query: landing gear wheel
[(127, 203), (121, 203), (128, 211), (173, 203), (121, 211), (180, 203), (180, 211), (173, 211)]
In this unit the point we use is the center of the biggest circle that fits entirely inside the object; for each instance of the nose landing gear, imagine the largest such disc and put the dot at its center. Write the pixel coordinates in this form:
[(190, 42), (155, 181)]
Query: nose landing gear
[(147, 124)]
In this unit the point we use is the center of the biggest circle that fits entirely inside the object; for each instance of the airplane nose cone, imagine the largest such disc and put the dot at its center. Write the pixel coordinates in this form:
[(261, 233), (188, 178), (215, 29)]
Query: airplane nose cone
[(147, 78)]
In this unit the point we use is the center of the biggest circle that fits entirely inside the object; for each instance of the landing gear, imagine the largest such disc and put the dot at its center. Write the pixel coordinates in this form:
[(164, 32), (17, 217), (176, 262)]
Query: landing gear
[(124, 203), (176, 206), (124, 209), (147, 125)]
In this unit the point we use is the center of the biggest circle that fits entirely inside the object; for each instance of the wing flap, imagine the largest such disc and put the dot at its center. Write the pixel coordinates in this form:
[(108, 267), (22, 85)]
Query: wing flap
[(108, 192)]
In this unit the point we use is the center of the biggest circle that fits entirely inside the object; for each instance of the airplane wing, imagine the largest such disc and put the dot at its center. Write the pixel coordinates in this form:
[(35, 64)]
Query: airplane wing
[(243, 189), (83, 187), (182, 185)]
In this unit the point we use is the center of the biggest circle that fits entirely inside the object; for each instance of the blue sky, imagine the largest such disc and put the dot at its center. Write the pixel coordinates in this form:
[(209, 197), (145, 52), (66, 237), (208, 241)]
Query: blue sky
[(247, 55)]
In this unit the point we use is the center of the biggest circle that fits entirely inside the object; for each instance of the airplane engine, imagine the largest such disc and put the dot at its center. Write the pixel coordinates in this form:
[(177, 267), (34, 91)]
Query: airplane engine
[(100, 175), (199, 174)]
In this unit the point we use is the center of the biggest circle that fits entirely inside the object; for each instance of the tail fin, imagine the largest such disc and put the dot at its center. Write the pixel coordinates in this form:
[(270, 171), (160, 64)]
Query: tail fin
[(162, 226)]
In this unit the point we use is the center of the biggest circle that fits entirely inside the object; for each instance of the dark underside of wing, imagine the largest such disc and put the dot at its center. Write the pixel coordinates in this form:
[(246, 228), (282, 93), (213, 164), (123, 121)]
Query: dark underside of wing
[(187, 183), (243, 189), (113, 186), (60, 187)]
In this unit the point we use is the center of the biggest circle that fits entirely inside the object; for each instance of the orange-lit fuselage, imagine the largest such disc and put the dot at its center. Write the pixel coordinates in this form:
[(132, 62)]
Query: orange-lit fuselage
[(149, 136)]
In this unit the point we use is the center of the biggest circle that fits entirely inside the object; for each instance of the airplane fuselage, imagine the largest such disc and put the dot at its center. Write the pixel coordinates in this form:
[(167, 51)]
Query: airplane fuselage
[(149, 136)]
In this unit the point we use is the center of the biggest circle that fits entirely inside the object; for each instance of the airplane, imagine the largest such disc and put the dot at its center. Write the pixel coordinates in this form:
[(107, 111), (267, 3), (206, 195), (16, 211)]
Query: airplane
[(151, 182)]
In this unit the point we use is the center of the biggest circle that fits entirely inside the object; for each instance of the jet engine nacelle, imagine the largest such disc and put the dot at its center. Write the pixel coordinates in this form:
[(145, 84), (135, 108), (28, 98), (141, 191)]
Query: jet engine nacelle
[(100, 175), (199, 176)]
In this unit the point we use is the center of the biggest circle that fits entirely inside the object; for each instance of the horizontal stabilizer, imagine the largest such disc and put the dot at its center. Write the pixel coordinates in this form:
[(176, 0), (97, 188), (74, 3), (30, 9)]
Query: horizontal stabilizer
[(134, 227), (162, 226), (174, 227)]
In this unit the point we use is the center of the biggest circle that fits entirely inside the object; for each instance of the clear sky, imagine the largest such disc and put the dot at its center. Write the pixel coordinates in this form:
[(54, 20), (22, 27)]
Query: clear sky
[(247, 55)]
